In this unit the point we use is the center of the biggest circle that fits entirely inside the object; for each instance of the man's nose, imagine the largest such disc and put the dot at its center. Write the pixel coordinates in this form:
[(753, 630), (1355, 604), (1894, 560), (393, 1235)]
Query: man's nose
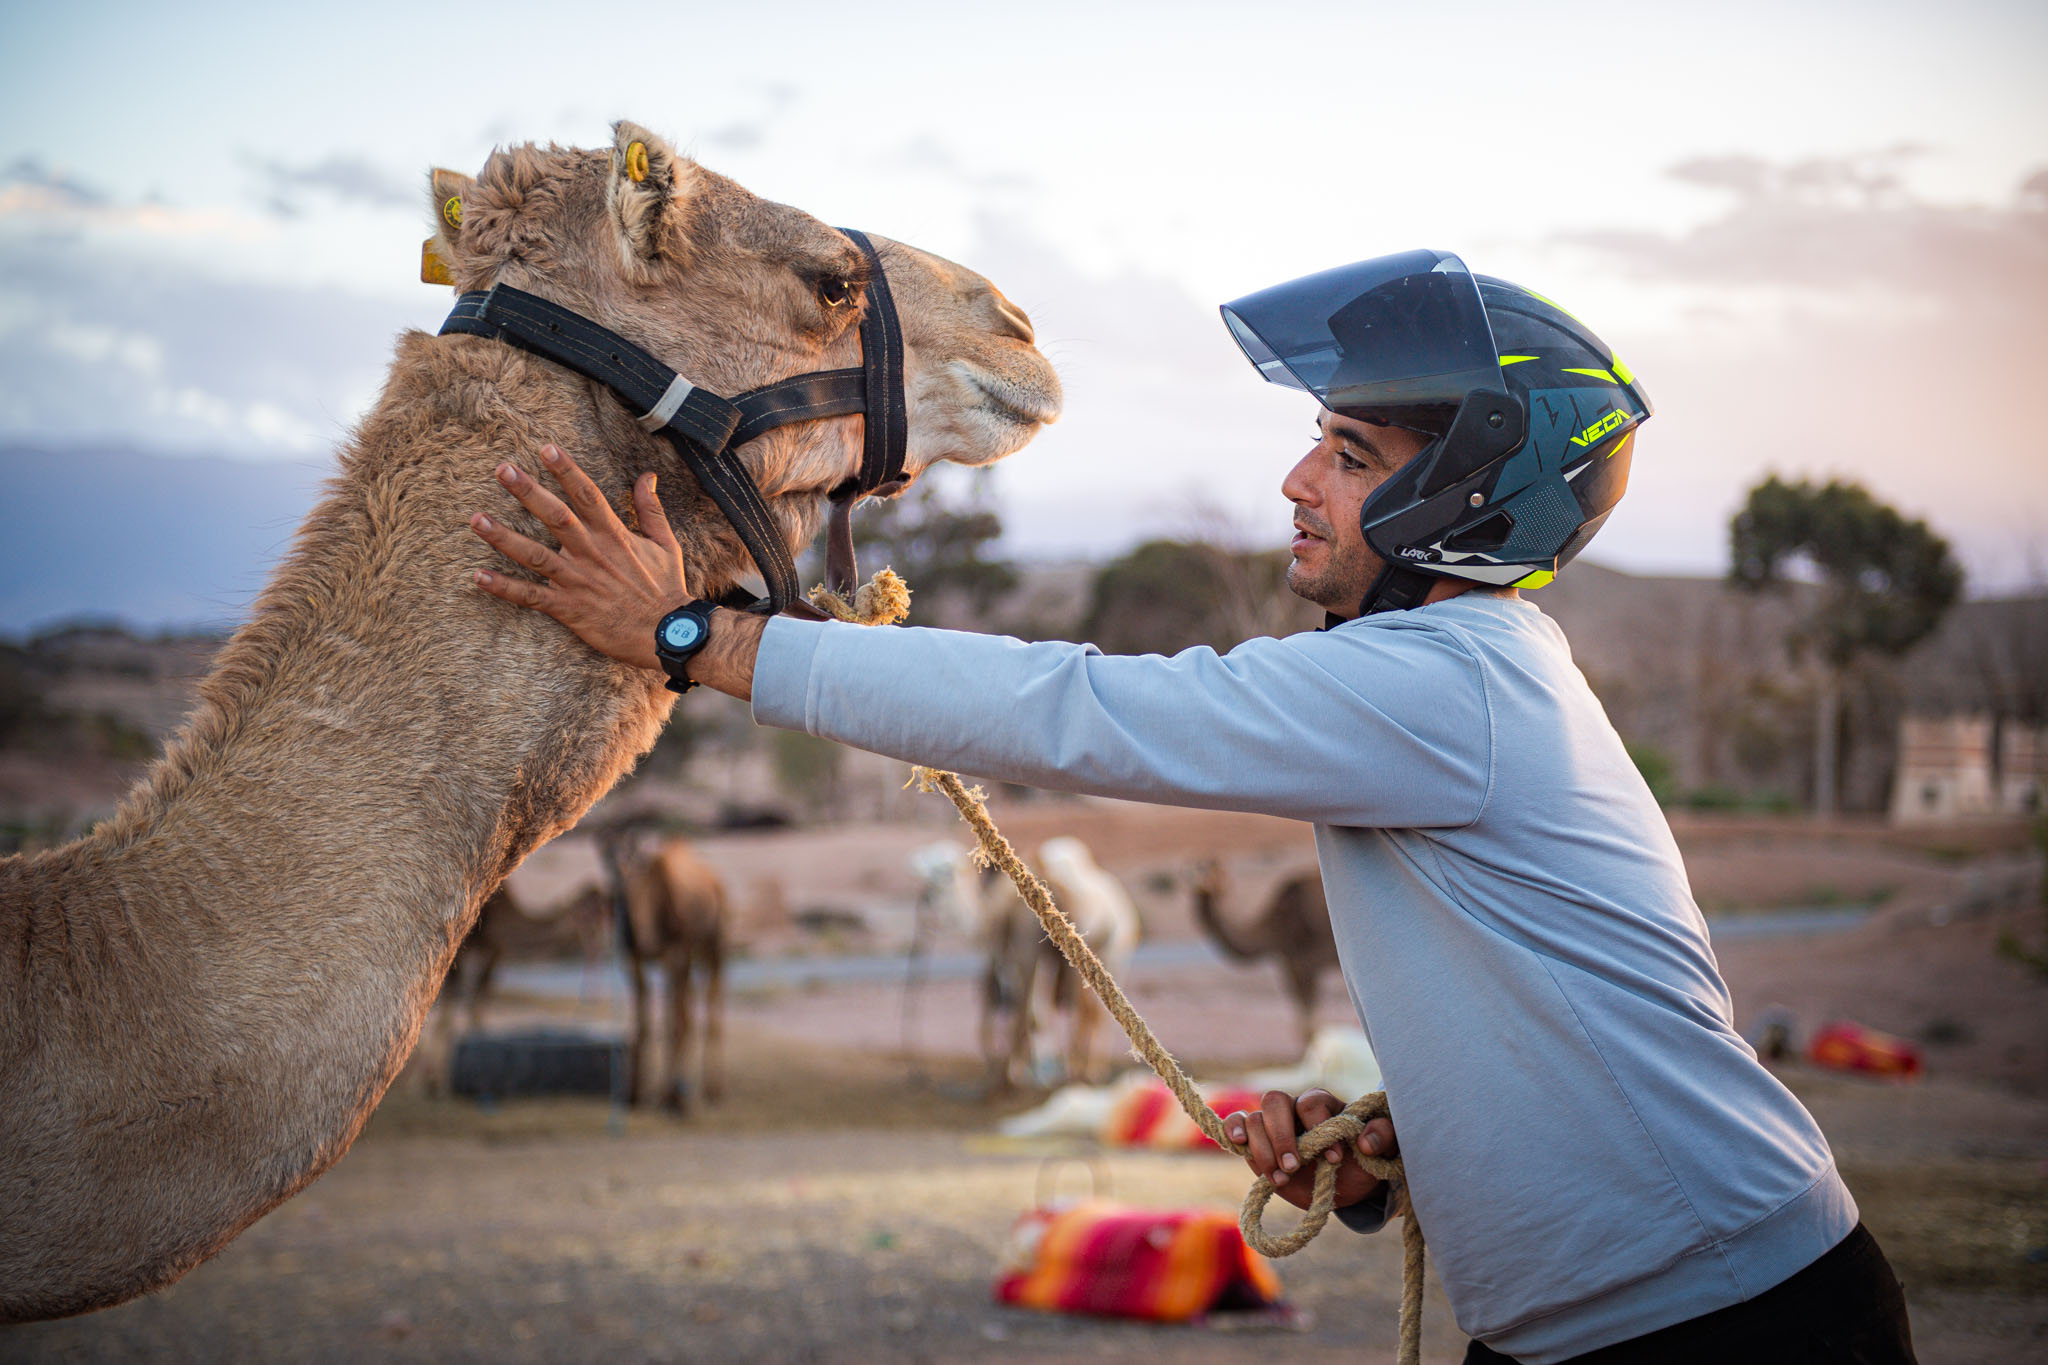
[(1296, 487)]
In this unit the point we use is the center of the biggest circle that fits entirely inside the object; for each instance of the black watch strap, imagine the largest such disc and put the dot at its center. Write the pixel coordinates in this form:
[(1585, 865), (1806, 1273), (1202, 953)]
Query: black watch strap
[(677, 638)]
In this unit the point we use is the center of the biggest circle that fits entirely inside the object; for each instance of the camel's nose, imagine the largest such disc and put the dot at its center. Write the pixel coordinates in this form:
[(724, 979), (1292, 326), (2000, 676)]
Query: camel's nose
[(1011, 318)]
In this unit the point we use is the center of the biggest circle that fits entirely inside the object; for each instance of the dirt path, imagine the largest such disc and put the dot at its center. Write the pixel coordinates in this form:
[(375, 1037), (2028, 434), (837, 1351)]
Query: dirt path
[(832, 1211)]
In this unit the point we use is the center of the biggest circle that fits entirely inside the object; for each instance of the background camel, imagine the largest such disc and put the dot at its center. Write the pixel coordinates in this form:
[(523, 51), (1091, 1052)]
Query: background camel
[(507, 929), (1293, 928), (676, 917), (1025, 981), (204, 998)]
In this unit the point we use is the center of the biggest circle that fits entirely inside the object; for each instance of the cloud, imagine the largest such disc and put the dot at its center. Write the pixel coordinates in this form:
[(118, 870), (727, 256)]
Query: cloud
[(1831, 321), (37, 198), (1826, 225), (98, 344), (929, 156), (350, 179), (28, 186)]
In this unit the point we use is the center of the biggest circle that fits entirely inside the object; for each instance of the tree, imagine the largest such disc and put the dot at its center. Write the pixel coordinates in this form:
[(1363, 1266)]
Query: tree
[(1883, 584), (1166, 595)]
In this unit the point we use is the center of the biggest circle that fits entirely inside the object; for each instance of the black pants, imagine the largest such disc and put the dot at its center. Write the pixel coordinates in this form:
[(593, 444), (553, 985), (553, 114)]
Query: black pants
[(1844, 1309)]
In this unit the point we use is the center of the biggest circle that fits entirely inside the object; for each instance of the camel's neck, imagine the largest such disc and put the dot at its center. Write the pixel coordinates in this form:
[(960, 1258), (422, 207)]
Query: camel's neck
[(1237, 942), (274, 908)]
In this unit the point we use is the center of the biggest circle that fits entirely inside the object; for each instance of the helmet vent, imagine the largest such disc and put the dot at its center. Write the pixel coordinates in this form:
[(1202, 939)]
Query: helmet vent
[(1483, 537)]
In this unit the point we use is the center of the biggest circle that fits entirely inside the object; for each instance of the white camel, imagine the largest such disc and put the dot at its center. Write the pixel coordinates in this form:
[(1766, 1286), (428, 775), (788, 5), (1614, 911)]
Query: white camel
[(1025, 983)]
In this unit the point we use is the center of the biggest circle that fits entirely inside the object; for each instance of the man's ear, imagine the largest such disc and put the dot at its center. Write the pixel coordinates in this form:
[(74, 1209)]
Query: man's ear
[(447, 190), (648, 194)]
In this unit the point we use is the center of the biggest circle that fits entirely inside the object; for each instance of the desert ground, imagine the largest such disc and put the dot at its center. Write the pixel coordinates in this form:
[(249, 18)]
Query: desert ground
[(849, 1199)]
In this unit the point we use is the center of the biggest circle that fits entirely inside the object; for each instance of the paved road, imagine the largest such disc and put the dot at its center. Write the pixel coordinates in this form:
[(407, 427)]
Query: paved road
[(608, 980)]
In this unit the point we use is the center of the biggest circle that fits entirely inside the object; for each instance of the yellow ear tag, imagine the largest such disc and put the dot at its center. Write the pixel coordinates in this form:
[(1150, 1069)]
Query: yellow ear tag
[(433, 270), (451, 212), (636, 162)]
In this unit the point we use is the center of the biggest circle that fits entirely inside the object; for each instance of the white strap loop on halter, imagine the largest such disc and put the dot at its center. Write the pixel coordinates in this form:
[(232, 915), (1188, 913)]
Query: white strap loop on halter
[(657, 416)]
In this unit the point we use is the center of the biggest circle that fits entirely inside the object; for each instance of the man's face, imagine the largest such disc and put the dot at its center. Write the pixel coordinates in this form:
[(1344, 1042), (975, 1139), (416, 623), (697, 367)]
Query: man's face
[(1332, 566)]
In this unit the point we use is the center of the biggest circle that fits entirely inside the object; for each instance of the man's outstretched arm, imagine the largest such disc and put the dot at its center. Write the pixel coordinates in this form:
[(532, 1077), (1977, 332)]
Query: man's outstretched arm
[(1379, 728)]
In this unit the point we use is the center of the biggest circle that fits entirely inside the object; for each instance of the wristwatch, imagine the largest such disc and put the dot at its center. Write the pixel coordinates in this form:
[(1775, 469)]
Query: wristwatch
[(678, 637)]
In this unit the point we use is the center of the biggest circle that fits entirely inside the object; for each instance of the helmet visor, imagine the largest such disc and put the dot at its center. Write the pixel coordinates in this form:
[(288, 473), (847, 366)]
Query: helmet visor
[(1393, 331)]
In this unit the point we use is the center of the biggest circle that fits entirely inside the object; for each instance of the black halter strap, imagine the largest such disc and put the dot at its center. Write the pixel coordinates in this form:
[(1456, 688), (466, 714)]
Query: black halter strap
[(881, 342), (706, 429)]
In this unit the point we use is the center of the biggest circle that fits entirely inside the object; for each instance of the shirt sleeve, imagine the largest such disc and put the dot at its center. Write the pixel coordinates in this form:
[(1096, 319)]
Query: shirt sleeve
[(1364, 726), (1372, 1213)]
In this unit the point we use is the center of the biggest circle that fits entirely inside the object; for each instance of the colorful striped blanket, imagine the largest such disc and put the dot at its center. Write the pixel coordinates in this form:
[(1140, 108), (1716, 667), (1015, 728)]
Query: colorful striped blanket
[(1166, 1266), (1150, 1116)]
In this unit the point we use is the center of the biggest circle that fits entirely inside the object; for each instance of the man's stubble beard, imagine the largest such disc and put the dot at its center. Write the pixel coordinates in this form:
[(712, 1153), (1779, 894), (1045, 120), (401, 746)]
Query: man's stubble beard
[(1341, 586)]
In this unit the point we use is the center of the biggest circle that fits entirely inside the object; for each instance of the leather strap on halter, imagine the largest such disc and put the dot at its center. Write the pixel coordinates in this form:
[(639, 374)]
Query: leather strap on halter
[(706, 429), (881, 343)]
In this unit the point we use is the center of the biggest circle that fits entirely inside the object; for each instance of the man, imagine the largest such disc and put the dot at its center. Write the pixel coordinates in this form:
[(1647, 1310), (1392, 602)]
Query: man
[(1604, 1170)]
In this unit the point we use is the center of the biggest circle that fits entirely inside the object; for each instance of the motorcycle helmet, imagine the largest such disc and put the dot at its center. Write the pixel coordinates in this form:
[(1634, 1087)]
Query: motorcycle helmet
[(1531, 417)]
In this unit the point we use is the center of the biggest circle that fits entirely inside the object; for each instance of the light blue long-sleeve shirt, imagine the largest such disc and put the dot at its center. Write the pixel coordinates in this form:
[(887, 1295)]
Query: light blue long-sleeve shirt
[(1592, 1149)]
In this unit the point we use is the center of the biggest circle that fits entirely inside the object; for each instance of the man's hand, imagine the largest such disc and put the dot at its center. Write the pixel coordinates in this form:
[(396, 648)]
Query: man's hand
[(1270, 1133), (608, 584)]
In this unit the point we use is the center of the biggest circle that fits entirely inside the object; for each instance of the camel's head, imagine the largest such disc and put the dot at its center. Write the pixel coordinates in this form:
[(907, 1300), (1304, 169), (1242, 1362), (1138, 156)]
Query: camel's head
[(735, 292)]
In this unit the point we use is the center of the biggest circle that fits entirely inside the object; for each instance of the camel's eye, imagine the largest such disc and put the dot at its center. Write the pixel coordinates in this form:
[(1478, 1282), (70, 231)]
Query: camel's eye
[(835, 293)]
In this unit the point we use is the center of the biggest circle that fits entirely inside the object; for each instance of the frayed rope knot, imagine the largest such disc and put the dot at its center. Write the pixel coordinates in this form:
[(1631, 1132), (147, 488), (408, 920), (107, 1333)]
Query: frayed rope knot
[(885, 599), (881, 601)]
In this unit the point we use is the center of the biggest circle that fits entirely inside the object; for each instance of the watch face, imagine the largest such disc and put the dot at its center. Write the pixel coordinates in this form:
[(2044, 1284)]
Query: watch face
[(681, 632)]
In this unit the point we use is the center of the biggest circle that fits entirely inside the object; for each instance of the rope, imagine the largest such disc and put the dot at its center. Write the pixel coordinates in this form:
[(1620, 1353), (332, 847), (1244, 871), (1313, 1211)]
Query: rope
[(884, 600)]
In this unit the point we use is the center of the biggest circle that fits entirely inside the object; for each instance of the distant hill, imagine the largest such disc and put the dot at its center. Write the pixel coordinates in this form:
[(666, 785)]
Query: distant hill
[(153, 542)]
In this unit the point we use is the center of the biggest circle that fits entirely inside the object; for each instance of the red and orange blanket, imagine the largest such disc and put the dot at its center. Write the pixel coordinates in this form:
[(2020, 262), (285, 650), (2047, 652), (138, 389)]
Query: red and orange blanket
[(1162, 1265)]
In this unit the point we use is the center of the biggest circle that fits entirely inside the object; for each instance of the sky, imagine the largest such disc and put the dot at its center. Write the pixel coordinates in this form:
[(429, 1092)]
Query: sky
[(1819, 232)]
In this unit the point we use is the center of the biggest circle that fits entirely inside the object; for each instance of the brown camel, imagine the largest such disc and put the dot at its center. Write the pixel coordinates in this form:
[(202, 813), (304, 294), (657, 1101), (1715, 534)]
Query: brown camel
[(203, 999), (676, 917), (1293, 928), (507, 930)]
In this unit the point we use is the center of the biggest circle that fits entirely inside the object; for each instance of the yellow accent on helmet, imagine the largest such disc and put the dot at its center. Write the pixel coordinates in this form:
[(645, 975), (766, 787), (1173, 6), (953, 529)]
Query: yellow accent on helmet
[(1600, 428), (1552, 302), (1621, 371), (1541, 578), (1597, 374), (1508, 360)]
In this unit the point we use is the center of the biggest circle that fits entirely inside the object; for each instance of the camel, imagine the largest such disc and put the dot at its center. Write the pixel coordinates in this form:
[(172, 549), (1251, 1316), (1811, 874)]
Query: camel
[(1294, 928), (506, 929), (676, 915), (204, 998), (1026, 979)]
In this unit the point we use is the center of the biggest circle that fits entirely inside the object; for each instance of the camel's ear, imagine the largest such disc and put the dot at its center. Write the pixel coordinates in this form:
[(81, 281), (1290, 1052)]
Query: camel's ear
[(446, 191), (647, 181)]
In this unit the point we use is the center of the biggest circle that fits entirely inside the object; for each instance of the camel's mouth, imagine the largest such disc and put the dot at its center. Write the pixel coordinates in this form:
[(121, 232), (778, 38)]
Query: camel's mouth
[(1019, 405)]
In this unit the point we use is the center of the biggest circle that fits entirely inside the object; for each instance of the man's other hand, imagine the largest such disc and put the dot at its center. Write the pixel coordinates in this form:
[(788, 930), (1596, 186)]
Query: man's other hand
[(1268, 1135)]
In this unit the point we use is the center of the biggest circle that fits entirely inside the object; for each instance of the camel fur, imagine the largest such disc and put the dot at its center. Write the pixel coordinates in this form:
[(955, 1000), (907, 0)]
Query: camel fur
[(203, 999), (506, 930)]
